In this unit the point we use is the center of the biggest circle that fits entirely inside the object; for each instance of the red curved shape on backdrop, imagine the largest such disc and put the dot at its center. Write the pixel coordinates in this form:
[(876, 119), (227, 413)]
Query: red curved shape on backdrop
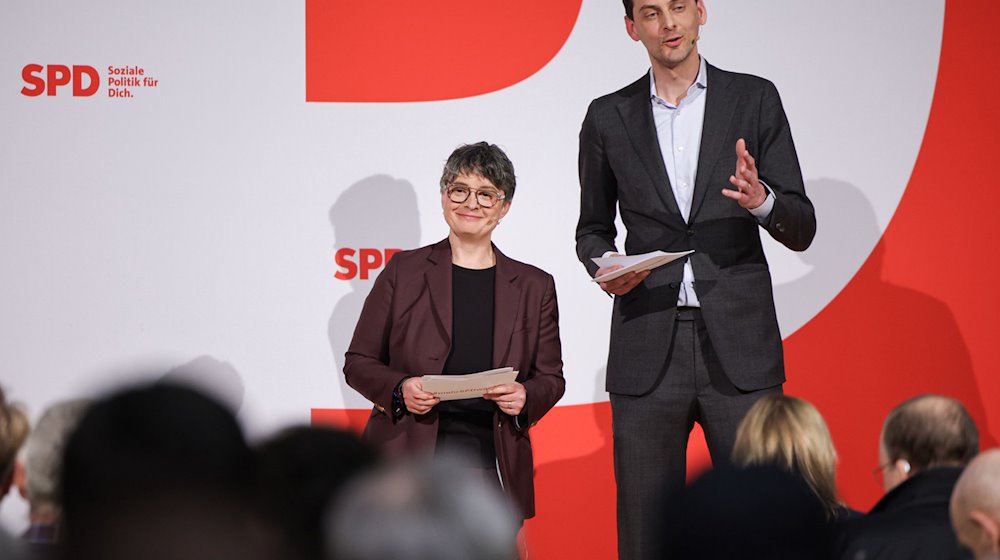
[(393, 51), (919, 316)]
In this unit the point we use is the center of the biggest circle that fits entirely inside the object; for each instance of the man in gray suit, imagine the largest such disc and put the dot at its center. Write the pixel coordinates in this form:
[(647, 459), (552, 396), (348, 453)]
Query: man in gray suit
[(695, 158)]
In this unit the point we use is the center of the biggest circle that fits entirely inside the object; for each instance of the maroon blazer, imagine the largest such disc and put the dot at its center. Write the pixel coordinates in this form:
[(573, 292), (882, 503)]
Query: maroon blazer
[(405, 330)]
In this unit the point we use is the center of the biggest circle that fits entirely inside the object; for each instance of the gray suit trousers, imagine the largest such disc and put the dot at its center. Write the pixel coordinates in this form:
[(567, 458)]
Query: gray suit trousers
[(651, 432)]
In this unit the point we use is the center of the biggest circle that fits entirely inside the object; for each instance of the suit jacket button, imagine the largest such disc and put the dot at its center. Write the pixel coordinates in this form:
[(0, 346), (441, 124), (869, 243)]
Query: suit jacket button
[(779, 226), (690, 233), (673, 285)]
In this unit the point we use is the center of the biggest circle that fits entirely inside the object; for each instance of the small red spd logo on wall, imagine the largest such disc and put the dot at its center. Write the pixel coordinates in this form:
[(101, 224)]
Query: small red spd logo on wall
[(39, 79), (351, 262), (124, 82)]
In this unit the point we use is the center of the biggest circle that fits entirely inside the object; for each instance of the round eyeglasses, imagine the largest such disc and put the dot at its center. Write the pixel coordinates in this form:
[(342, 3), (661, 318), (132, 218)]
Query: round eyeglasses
[(487, 198)]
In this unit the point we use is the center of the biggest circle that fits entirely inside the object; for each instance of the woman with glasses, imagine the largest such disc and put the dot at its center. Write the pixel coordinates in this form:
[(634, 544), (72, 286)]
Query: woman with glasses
[(455, 307)]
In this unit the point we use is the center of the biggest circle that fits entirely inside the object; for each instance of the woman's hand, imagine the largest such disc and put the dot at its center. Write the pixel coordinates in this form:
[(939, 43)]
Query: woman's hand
[(415, 398), (510, 397)]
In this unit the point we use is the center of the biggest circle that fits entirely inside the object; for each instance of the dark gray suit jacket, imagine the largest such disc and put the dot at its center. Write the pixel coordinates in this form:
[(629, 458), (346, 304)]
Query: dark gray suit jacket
[(620, 163)]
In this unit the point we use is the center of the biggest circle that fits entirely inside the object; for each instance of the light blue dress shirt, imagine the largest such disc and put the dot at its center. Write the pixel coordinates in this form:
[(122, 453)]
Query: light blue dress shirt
[(678, 129)]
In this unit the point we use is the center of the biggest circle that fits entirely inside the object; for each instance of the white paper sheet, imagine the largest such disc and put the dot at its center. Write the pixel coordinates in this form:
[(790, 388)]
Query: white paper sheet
[(467, 386), (635, 263)]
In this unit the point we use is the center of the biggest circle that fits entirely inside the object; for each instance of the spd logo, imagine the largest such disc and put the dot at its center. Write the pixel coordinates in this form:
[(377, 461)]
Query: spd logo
[(354, 261), (39, 79)]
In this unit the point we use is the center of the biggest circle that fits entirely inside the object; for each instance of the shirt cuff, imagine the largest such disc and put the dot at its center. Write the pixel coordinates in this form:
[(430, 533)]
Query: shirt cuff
[(763, 211)]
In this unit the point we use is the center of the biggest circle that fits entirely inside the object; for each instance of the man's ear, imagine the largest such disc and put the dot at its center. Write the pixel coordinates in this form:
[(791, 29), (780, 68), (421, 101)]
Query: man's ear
[(989, 527), (630, 28)]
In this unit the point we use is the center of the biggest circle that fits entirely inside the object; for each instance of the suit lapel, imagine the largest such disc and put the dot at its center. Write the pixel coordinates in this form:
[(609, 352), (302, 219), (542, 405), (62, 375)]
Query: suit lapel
[(720, 105), (507, 297), (438, 279), (637, 114)]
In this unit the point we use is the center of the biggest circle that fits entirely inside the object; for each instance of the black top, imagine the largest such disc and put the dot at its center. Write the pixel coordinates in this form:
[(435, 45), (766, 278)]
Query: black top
[(465, 426), (911, 521)]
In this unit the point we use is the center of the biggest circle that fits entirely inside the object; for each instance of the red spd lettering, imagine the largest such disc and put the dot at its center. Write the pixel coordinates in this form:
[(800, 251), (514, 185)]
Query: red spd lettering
[(39, 79), (79, 71), (360, 262), (35, 83)]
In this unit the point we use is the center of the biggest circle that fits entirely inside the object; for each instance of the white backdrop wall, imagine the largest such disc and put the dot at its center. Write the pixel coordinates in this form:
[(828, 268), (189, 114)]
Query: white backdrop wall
[(198, 220)]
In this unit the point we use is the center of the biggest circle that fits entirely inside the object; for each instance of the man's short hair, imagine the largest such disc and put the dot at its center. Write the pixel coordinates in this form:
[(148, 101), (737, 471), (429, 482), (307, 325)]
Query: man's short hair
[(44, 450), (484, 159), (930, 431), (629, 6), (13, 431), (156, 471), (152, 438), (300, 471)]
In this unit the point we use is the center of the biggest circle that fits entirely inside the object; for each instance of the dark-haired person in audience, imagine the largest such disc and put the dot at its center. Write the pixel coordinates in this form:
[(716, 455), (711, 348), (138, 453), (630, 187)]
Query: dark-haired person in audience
[(975, 506), (14, 429), (42, 464), (924, 445), (299, 472), (10, 548), (761, 512), (789, 433), (157, 472), (461, 306)]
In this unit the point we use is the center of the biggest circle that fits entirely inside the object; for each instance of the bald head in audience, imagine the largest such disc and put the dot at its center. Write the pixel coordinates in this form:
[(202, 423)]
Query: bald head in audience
[(975, 506)]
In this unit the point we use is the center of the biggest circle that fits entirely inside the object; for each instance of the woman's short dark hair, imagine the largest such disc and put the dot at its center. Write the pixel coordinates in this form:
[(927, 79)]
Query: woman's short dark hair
[(484, 159)]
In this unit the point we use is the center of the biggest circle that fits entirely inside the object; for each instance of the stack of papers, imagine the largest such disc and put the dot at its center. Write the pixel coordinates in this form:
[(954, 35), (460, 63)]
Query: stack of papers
[(468, 386), (635, 263)]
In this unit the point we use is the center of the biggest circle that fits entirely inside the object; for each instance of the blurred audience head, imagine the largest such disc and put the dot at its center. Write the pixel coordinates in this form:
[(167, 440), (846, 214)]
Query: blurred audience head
[(975, 506), (10, 548), (925, 432), (754, 512), (156, 472), (427, 510), (43, 457), (789, 433), (299, 471), (13, 431)]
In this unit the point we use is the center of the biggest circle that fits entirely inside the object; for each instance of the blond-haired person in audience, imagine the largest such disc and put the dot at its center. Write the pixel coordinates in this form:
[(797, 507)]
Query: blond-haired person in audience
[(788, 432)]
